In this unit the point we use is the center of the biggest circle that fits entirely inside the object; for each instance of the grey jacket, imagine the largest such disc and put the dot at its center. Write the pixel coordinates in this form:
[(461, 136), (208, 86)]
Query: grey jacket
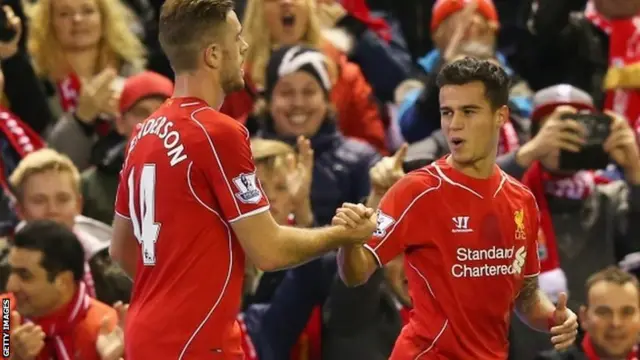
[(68, 137), (600, 232)]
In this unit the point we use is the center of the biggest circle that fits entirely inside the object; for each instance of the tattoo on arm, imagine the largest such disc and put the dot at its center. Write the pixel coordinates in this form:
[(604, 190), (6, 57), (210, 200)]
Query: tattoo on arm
[(527, 297)]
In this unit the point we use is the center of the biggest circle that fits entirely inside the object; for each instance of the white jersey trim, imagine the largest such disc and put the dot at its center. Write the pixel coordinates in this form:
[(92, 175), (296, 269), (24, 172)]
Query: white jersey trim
[(446, 321), (215, 155), (229, 269), (250, 213), (122, 216), (406, 211)]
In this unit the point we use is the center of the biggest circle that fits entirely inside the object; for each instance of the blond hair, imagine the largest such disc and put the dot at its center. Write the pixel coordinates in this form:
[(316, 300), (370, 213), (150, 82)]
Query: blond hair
[(271, 153), (260, 42), (119, 45), (41, 161)]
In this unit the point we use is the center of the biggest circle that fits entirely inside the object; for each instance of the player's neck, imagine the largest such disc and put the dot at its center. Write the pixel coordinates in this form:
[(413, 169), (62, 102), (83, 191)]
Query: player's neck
[(479, 169), (195, 85)]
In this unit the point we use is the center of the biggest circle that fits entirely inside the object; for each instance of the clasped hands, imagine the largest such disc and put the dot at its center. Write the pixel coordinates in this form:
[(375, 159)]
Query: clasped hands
[(358, 221)]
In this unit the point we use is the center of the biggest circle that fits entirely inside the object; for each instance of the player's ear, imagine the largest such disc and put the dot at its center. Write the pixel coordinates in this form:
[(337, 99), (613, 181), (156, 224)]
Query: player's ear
[(64, 281), (502, 116), (213, 55)]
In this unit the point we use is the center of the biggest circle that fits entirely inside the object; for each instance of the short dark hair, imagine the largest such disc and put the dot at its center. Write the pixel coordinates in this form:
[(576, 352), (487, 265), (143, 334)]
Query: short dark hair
[(61, 250), (185, 25), (495, 79), (612, 274)]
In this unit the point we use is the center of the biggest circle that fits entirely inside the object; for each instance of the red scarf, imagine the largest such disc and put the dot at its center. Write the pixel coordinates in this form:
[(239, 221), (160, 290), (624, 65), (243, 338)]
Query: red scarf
[(21, 137), (579, 186), (624, 49), (508, 139), (359, 10), (590, 352), (69, 91), (59, 327)]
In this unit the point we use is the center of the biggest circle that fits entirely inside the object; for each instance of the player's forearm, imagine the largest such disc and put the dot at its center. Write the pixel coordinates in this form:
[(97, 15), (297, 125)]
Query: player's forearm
[(355, 264), (125, 259), (537, 315), (534, 306), (374, 200), (127, 263), (292, 246)]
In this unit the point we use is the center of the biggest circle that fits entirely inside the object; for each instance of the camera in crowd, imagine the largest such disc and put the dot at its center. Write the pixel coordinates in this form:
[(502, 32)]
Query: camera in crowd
[(592, 156)]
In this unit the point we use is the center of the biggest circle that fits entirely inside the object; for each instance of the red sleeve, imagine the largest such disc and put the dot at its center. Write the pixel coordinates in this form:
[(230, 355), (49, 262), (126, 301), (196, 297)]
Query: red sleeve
[(122, 194), (358, 116), (532, 261), (226, 161), (122, 197), (394, 213)]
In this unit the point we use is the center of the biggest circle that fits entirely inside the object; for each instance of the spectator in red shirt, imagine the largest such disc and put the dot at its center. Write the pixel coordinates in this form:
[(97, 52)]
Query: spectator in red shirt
[(53, 315), (270, 24)]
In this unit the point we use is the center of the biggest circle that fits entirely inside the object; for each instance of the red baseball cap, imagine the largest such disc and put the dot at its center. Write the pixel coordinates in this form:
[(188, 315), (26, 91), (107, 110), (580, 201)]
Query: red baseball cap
[(144, 85), (442, 9)]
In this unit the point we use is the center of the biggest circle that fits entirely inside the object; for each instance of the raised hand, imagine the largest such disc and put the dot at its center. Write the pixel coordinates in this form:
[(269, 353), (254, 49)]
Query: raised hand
[(387, 171), (565, 327), (621, 144), (358, 220), (330, 12), (555, 135), (464, 19), (300, 172), (27, 340), (96, 96), (10, 48), (110, 342)]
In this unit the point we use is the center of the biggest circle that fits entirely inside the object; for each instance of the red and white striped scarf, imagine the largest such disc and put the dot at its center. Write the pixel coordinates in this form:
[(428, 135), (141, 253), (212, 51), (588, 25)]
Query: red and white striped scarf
[(624, 50), (508, 139), (578, 186), (59, 326)]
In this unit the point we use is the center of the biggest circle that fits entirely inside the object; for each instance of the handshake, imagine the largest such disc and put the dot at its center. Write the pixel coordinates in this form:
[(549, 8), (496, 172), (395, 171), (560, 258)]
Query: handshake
[(358, 222)]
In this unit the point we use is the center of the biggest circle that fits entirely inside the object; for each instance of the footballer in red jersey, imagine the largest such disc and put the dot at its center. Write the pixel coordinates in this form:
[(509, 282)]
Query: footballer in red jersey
[(468, 232), (190, 206)]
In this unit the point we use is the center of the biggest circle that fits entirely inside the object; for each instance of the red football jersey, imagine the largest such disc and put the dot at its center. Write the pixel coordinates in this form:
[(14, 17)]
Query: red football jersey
[(188, 174), (468, 245)]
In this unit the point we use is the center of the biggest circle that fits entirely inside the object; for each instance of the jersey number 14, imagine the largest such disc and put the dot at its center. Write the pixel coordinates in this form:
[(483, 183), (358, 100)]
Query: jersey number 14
[(145, 227)]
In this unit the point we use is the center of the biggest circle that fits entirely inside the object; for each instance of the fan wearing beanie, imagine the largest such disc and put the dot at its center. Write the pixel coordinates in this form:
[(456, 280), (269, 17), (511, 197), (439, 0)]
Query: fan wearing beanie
[(460, 28), (587, 221), (583, 214), (298, 105), (142, 94)]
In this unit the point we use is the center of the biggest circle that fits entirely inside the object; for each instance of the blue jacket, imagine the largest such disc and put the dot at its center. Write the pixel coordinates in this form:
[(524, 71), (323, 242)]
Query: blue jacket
[(418, 116), (384, 64), (340, 171)]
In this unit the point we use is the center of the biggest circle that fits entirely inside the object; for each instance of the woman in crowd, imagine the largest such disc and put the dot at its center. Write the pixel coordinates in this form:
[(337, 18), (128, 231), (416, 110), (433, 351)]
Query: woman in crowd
[(269, 24), (82, 50), (297, 94)]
